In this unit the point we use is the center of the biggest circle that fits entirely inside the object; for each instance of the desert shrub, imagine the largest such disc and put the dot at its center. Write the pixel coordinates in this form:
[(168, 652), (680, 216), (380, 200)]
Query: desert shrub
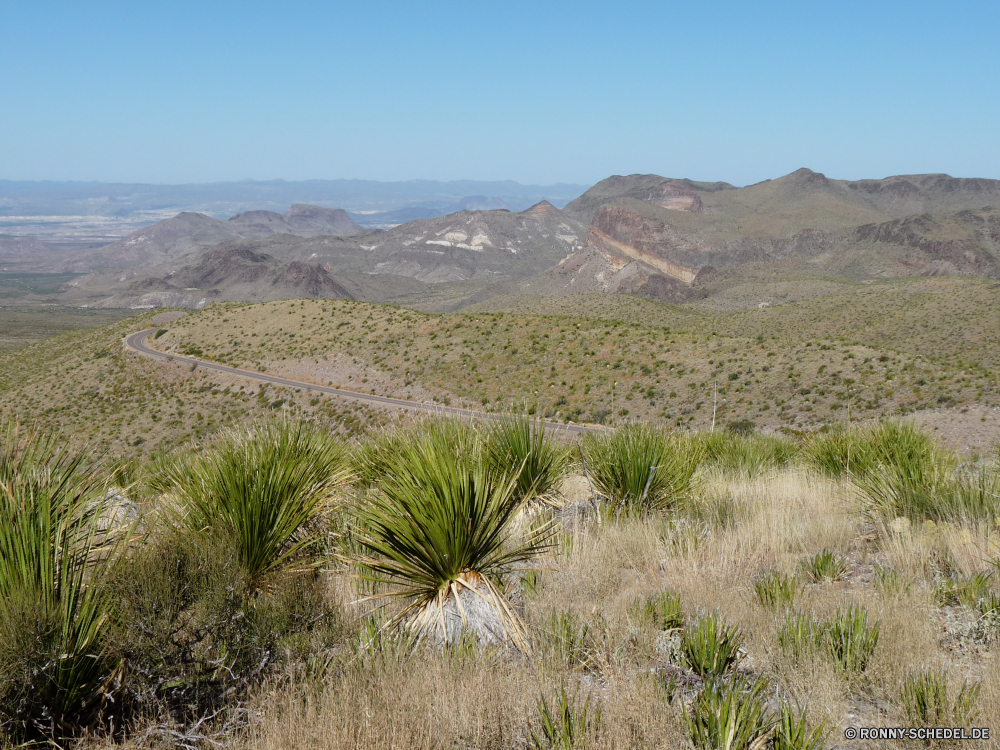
[(517, 443), (566, 723), (662, 611), (262, 491), (850, 640), (639, 468), (825, 565), (712, 648), (730, 713), (775, 590), (745, 454), (924, 695), (56, 667), (437, 536)]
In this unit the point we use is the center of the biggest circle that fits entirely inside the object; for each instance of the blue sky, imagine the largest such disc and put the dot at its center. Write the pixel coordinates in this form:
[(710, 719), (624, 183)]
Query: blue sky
[(537, 92)]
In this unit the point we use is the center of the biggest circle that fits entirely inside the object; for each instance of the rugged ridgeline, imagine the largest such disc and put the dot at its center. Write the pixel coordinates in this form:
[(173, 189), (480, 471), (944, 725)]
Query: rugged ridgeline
[(479, 247), (670, 239)]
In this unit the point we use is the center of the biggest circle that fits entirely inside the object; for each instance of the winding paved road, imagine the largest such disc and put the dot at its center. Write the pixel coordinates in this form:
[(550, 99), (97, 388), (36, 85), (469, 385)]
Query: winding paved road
[(137, 342)]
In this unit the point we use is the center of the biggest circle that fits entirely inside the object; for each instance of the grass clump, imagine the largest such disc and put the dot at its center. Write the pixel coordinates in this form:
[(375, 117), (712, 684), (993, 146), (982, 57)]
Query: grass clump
[(564, 637), (891, 582), (746, 455), (437, 535), (712, 648), (850, 640), (730, 714), (565, 723), (56, 667), (517, 443), (641, 469), (824, 566), (793, 733), (801, 635), (662, 611), (924, 695), (965, 592), (261, 491), (775, 590)]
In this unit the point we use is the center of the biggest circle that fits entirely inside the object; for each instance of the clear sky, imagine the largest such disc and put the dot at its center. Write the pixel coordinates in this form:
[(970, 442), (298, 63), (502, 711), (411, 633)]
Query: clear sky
[(537, 92)]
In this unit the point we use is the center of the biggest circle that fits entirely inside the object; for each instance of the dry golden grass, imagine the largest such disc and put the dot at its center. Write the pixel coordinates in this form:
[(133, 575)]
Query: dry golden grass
[(482, 700)]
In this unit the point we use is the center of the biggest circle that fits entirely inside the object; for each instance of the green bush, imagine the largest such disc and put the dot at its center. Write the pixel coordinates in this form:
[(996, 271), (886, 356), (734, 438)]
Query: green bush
[(860, 451), (730, 714), (793, 733), (712, 648), (639, 468)]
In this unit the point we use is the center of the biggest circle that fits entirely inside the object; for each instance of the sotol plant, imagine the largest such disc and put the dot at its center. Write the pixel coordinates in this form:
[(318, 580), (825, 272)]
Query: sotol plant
[(730, 714), (517, 443), (924, 695), (711, 647), (775, 590), (55, 666), (436, 534), (566, 722)]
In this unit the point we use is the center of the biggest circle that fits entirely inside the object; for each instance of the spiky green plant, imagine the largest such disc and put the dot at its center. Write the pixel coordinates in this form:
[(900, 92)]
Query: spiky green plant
[(793, 733), (565, 723), (639, 468), (824, 566), (565, 638), (924, 695), (55, 667), (520, 444), (437, 532), (861, 451), (712, 648), (261, 491), (662, 611), (850, 640), (746, 456), (801, 635), (730, 714), (967, 592), (774, 589), (891, 582)]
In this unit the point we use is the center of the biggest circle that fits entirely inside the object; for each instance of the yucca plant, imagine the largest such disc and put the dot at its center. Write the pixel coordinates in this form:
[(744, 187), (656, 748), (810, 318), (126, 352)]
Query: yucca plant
[(774, 589), (967, 592), (437, 536), (891, 582), (566, 723), (55, 667), (730, 714), (639, 468), (824, 566), (712, 648), (924, 695), (850, 640), (793, 733), (517, 443), (261, 490)]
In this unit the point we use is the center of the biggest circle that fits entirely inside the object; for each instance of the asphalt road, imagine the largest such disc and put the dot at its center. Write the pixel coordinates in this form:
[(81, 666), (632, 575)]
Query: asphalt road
[(137, 342)]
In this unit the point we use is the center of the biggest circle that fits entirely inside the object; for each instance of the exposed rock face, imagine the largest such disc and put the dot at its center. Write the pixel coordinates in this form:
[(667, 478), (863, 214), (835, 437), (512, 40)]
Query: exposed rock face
[(623, 235)]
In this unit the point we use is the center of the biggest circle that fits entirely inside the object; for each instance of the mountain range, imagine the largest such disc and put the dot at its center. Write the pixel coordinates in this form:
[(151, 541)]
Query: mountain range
[(670, 239)]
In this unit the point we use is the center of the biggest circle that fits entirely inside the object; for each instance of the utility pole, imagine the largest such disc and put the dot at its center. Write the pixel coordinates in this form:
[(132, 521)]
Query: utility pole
[(715, 398)]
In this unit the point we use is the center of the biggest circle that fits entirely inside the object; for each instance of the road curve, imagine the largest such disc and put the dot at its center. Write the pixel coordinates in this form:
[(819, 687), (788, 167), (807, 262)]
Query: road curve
[(137, 343)]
